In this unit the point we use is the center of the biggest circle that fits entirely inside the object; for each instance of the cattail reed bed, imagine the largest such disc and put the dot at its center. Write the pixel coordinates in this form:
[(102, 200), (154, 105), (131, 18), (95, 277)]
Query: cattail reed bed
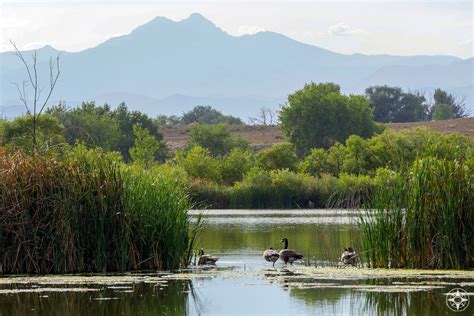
[(423, 217), (87, 212)]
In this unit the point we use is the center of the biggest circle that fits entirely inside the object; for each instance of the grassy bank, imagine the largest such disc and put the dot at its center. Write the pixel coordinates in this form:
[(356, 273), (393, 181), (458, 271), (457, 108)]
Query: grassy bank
[(280, 189), (423, 218), (87, 212)]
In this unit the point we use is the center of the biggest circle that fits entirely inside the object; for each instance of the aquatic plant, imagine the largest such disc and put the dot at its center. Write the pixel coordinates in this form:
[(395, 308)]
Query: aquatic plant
[(88, 212), (423, 217)]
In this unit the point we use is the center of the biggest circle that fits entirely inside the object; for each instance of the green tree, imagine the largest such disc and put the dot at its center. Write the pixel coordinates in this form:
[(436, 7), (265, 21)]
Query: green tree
[(100, 126), (457, 107), (215, 138), (316, 163), (93, 125), (208, 115), (318, 116), (335, 158), (384, 101), (198, 163), (391, 104), (278, 156), (442, 112), (235, 165), (126, 120), (257, 178), (355, 158), (413, 108), (145, 149), (18, 132)]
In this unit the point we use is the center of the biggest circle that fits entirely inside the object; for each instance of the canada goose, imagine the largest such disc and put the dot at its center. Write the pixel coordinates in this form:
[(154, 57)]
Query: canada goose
[(271, 255), (288, 255), (206, 259), (349, 256)]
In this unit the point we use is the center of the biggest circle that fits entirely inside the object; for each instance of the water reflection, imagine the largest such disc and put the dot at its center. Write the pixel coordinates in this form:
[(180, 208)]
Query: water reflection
[(135, 299)]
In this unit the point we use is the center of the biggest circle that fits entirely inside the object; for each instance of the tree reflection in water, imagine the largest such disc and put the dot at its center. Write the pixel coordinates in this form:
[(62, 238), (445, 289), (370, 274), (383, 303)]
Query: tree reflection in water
[(171, 298)]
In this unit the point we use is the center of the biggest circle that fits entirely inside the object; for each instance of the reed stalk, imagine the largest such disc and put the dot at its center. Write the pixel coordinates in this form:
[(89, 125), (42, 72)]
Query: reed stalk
[(87, 212), (423, 218)]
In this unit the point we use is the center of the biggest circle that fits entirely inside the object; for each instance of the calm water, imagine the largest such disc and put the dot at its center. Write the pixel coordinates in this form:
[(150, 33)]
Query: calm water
[(242, 283)]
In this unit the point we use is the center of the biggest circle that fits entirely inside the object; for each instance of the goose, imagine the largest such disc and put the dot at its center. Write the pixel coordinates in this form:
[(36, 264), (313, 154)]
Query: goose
[(288, 255), (349, 256), (206, 259), (271, 255)]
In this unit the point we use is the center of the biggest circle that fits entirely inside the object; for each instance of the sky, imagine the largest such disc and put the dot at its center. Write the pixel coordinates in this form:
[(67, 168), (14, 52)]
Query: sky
[(368, 27)]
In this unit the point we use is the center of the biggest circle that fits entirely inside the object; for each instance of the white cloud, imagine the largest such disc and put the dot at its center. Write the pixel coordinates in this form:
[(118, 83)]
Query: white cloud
[(250, 29), (343, 29)]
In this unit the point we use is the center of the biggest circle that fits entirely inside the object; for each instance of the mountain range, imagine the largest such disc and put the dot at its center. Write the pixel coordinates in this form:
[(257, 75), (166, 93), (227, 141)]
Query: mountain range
[(167, 67)]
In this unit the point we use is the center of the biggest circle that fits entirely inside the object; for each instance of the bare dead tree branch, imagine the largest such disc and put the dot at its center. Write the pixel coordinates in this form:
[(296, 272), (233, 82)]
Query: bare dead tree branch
[(52, 81), (264, 117), (20, 55), (32, 72), (22, 95)]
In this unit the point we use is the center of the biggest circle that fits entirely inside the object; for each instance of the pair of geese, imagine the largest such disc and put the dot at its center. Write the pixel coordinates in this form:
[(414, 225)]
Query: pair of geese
[(348, 257), (287, 255)]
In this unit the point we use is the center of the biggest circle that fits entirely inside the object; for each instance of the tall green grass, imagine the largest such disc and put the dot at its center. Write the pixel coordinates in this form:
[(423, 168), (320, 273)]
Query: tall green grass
[(423, 218), (88, 212), (280, 189)]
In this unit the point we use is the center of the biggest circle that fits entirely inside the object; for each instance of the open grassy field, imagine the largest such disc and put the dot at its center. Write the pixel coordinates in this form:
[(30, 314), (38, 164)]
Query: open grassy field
[(264, 136)]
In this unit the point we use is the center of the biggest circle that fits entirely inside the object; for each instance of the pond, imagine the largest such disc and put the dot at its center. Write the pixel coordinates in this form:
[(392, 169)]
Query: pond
[(242, 283)]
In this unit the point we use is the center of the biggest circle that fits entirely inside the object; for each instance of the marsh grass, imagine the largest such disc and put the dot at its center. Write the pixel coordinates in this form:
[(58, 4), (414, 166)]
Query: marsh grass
[(423, 218), (262, 189), (282, 189), (88, 212)]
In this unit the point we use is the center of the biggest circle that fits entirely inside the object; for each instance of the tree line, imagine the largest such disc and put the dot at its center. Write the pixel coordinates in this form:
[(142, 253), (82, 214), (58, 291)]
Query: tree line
[(392, 104)]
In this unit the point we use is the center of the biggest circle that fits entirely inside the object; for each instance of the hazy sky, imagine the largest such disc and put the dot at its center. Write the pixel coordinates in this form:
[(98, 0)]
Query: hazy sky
[(370, 27)]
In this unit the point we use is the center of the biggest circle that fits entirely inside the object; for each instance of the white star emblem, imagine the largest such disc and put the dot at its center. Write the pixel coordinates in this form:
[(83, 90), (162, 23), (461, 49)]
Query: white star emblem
[(457, 299)]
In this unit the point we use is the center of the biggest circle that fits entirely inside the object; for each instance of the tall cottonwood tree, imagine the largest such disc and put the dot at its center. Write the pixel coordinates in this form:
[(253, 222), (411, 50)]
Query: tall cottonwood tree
[(319, 116)]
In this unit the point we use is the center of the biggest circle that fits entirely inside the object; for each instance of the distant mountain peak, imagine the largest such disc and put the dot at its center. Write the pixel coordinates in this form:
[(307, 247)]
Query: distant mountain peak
[(197, 17), (194, 57), (198, 20), (195, 21)]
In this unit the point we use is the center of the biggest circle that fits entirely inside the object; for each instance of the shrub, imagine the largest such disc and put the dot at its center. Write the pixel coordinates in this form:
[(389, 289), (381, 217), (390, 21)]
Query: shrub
[(351, 191), (442, 112), (208, 115), (206, 194), (18, 133), (215, 138), (315, 163), (235, 164), (279, 156), (277, 189), (356, 155), (198, 163), (146, 147)]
